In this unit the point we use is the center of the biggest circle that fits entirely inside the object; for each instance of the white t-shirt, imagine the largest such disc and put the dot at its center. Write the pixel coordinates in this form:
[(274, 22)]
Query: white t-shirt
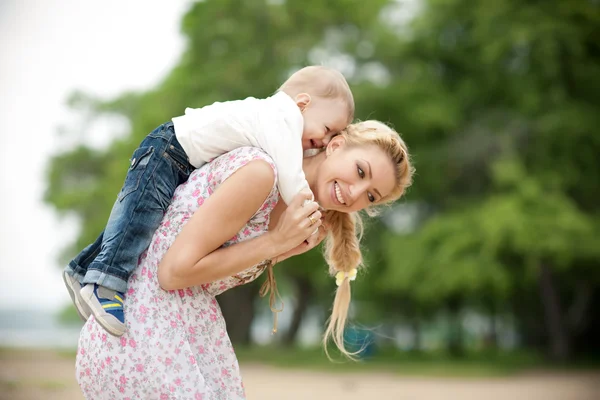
[(274, 124)]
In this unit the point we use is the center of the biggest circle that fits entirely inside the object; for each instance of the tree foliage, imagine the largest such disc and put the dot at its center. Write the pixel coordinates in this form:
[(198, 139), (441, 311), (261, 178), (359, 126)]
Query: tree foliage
[(496, 100)]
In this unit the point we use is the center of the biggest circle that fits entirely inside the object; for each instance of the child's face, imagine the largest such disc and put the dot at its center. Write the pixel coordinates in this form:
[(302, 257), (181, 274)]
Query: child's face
[(323, 118)]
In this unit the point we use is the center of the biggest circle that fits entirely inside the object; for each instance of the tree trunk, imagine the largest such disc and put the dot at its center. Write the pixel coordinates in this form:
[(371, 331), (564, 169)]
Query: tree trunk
[(417, 332), (557, 330), (237, 306), (578, 312), (492, 342), (491, 339), (303, 293), (455, 333)]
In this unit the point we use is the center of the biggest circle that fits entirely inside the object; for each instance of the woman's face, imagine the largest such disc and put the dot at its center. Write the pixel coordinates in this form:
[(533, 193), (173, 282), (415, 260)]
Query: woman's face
[(353, 178)]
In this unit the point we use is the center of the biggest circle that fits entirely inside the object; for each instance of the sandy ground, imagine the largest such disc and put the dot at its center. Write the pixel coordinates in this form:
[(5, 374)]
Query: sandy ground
[(27, 375)]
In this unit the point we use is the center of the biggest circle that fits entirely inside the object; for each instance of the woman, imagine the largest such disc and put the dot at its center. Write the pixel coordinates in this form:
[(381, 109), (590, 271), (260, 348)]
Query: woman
[(224, 227)]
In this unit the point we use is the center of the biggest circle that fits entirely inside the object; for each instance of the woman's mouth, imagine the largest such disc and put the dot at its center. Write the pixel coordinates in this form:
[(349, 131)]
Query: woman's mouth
[(338, 193)]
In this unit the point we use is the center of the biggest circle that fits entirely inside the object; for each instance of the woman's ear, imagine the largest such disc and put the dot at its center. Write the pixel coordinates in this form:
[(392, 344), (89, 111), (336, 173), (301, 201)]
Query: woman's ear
[(336, 143), (302, 101)]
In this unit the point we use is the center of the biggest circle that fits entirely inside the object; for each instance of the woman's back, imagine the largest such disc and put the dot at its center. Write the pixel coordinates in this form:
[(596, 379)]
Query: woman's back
[(176, 345)]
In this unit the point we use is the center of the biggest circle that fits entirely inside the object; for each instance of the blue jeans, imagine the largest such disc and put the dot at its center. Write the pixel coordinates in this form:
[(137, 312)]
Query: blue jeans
[(157, 167)]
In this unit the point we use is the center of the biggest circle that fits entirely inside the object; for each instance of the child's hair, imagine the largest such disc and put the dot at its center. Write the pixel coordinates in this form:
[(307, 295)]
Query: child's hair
[(323, 82), (342, 244)]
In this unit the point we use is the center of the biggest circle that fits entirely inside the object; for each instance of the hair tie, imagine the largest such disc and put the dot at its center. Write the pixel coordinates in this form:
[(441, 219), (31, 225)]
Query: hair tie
[(340, 276)]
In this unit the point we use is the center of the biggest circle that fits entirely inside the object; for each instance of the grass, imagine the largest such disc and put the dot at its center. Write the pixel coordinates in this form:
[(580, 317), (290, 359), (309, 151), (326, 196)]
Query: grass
[(41, 384), (385, 360), (406, 363)]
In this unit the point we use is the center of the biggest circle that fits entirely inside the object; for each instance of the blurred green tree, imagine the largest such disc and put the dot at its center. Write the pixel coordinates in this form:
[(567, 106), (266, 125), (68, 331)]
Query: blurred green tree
[(514, 81), (498, 103)]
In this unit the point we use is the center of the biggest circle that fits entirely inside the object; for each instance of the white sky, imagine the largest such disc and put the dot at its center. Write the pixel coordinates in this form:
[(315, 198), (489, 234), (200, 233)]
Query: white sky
[(48, 48)]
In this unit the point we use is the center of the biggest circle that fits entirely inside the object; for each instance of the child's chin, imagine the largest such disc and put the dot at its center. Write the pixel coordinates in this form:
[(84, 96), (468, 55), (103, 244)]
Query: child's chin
[(311, 152)]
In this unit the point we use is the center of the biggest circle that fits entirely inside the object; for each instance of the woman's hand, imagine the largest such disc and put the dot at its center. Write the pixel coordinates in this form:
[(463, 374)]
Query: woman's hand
[(313, 241), (297, 224)]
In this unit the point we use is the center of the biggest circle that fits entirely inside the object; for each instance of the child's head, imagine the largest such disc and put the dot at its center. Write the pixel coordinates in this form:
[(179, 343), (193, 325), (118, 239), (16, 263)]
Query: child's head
[(326, 102)]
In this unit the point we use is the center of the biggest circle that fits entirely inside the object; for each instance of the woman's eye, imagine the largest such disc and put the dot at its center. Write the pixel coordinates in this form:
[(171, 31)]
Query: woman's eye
[(371, 197), (361, 173)]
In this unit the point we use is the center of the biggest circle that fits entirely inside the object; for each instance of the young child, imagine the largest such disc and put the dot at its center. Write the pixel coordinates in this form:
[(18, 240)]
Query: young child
[(312, 105)]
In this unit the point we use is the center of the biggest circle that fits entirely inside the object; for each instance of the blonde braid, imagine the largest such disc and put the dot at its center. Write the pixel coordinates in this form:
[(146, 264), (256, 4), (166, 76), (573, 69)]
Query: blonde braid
[(342, 244), (342, 253)]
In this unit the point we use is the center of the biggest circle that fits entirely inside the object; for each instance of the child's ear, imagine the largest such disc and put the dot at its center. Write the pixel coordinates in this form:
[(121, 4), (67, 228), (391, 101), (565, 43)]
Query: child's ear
[(336, 143), (303, 100)]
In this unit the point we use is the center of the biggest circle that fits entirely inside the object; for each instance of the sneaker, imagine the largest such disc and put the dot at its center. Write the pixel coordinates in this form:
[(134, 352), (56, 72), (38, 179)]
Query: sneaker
[(73, 287), (107, 307)]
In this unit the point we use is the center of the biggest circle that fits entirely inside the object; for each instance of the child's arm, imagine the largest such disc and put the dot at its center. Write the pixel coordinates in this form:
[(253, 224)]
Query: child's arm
[(281, 138), (286, 152)]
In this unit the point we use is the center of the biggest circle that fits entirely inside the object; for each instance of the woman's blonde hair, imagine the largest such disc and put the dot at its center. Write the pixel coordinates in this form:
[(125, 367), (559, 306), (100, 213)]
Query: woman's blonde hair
[(342, 244), (320, 81)]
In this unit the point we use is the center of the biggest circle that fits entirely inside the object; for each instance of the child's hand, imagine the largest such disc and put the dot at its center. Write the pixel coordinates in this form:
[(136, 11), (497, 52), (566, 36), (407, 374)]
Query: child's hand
[(297, 223), (313, 241)]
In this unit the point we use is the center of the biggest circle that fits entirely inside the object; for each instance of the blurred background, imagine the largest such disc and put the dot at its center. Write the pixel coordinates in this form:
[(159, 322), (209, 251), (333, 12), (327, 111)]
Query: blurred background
[(483, 280)]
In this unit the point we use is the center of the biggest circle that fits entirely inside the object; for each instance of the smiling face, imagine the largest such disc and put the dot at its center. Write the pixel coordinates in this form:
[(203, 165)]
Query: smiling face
[(322, 119), (352, 178)]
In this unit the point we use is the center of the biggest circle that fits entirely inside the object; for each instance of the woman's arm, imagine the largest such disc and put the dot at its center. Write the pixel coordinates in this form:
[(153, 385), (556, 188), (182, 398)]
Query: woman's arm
[(196, 257)]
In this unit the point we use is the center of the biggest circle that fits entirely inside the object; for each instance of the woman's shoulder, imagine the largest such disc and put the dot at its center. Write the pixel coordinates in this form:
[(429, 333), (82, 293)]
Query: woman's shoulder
[(241, 156), (204, 181), (225, 165)]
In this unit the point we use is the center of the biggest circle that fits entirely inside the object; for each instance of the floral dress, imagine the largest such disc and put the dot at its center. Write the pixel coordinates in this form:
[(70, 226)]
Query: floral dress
[(176, 345)]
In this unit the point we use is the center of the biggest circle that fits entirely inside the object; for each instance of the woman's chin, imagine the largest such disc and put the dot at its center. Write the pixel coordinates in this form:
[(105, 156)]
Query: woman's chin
[(323, 202), (323, 206), (327, 206)]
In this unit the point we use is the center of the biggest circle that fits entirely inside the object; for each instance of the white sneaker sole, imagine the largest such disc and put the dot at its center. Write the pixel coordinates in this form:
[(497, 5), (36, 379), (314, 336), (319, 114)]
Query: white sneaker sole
[(83, 311)]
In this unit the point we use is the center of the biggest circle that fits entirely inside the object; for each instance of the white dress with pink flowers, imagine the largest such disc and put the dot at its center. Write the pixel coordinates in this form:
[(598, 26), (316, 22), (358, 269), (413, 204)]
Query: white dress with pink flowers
[(176, 345)]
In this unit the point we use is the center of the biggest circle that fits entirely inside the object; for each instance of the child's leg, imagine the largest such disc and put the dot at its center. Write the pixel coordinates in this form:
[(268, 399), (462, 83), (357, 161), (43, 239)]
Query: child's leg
[(77, 268), (134, 218), (74, 272)]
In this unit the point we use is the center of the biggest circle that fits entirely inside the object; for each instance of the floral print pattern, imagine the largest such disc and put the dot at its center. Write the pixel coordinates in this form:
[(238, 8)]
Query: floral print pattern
[(176, 345)]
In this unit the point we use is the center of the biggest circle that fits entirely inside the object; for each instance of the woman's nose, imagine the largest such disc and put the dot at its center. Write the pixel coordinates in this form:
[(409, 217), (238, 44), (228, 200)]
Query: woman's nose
[(358, 190)]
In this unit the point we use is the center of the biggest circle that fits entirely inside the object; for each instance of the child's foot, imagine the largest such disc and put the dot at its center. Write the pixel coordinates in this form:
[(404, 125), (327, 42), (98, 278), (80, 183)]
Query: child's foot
[(107, 307), (73, 287)]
